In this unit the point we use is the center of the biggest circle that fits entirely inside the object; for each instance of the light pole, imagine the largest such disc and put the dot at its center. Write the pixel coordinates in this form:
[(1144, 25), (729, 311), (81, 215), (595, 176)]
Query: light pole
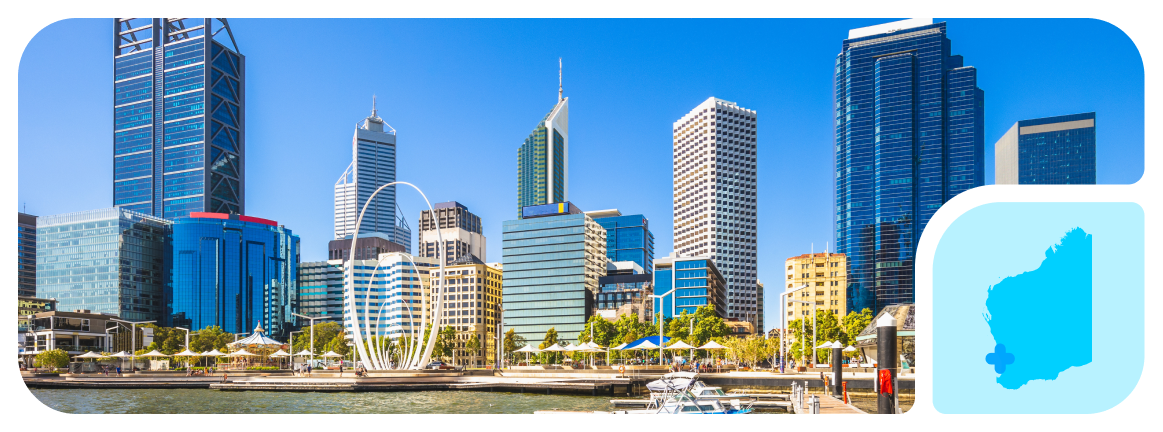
[(312, 350), (132, 340), (691, 336), (187, 343), (501, 339), (660, 316)]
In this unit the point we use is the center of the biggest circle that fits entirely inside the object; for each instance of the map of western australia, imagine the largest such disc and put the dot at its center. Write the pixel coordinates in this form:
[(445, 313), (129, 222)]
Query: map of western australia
[(1041, 319)]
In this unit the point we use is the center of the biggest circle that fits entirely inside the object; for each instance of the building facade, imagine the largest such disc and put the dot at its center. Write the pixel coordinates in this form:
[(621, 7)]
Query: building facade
[(821, 280), (715, 197), (367, 247), (460, 229), (472, 307), (696, 282), (553, 258), (111, 261), (235, 272), (543, 159), (179, 111), (28, 306), (75, 332), (386, 296), (909, 136), (26, 255), (321, 289), (1051, 150), (628, 237), (373, 164), (624, 290)]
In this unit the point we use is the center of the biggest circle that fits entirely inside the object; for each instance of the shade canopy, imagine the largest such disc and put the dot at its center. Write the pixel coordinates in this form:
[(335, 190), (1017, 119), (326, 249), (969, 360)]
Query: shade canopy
[(154, 353), (280, 353), (850, 348), (304, 353), (592, 345), (528, 349), (653, 340), (241, 353), (679, 345), (554, 347), (331, 354), (644, 345), (213, 353), (619, 347), (572, 347), (257, 338), (90, 354), (187, 353), (120, 354), (712, 345)]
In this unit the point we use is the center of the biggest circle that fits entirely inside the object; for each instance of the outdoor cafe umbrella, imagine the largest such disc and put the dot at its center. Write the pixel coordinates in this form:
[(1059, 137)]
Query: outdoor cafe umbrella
[(619, 348), (154, 353), (679, 345), (528, 349), (187, 353), (89, 355), (554, 348), (280, 353), (121, 355), (331, 354), (644, 345)]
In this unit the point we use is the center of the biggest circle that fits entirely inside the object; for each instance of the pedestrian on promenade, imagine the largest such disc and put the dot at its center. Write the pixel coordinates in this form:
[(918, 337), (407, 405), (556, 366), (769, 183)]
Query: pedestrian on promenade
[(119, 371), (308, 370), (224, 378), (341, 368)]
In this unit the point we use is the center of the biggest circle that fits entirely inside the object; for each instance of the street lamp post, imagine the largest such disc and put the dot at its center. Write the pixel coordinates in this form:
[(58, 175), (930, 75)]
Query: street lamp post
[(133, 339), (783, 326), (660, 316), (312, 319), (501, 340), (187, 343)]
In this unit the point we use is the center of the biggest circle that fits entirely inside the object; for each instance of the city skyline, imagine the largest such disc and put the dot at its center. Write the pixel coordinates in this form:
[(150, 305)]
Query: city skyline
[(776, 240)]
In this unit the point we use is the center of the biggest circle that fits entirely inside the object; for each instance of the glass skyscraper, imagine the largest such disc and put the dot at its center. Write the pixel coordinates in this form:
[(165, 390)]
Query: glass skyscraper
[(543, 159), (628, 237), (178, 116), (909, 136), (321, 288), (1051, 150), (234, 272), (553, 258), (111, 261)]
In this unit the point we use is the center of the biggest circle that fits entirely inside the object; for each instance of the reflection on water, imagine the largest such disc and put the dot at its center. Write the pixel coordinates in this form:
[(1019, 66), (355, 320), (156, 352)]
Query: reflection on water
[(205, 401)]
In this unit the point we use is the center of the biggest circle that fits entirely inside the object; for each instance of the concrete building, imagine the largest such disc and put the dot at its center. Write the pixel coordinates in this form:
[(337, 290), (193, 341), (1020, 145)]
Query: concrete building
[(112, 261), (321, 289), (543, 159), (715, 191), (628, 237), (75, 332), (818, 278), (179, 117), (624, 290), (367, 247), (1051, 150), (373, 164), (26, 255), (386, 295), (460, 229), (696, 281), (472, 306), (553, 258)]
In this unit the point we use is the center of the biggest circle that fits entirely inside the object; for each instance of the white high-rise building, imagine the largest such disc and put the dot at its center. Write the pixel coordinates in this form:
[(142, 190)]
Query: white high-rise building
[(373, 164), (715, 197)]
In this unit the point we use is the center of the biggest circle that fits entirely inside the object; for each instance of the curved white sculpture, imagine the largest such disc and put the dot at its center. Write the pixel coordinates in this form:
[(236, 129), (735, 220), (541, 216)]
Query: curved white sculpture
[(370, 357)]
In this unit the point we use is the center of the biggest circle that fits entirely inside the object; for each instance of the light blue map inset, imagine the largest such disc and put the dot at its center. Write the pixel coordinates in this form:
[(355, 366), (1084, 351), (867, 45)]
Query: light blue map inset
[(1047, 313), (1026, 310)]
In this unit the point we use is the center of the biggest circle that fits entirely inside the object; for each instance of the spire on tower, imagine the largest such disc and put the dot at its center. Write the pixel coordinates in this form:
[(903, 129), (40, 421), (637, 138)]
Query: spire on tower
[(373, 104), (559, 91)]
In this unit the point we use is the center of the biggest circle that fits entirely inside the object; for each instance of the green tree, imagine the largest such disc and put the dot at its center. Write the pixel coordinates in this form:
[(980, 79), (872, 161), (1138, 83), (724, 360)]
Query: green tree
[(605, 332), (338, 343), (679, 327), (550, 339), (54, 358), (513, 342), (324, 333), (853, 324), (210, 338), (474, 346)]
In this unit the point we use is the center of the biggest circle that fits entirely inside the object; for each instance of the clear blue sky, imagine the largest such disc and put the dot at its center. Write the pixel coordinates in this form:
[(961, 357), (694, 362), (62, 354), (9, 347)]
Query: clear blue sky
[(463, 94)]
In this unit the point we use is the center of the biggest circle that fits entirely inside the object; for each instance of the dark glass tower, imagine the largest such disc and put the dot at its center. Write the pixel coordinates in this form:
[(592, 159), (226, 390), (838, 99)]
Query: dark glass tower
[(628, 238), (909, 137), (178, 116), (1051, 150)]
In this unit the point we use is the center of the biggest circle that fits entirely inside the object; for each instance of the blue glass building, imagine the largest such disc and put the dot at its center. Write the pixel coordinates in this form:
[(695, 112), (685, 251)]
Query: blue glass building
[(1051, 150), (909, 136), (234, 272), (553, 258), (178, 116), (628, 237), (698, 282)]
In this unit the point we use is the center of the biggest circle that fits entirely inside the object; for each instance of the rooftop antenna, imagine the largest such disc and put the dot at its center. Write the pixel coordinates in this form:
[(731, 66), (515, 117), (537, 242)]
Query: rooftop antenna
[(373, 104), (559, 88)]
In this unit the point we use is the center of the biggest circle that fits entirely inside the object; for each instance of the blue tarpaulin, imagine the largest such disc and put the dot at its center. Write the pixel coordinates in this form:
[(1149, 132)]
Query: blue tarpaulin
[(652, 339)]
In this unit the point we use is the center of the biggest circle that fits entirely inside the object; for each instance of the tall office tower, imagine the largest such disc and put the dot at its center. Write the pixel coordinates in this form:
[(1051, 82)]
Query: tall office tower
[(386, 294), (179, 113), (111, 261), (821, 280), (628, 237), (1051, 150), (759, 328), (373, 164), (26, 255), (715, 187), (232, 271), (321, 289), (909, 136), (553, 258), (543, 160), (460, 229), (472, 306)]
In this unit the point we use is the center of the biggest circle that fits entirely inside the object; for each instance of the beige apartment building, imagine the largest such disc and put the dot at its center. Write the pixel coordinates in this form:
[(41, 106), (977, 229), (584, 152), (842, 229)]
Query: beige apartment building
[(472, 306), (819, 279)]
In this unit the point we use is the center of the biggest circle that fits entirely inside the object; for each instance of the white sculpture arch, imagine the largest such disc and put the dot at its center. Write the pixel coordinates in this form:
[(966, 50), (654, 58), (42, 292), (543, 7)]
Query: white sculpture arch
[(372, 359)]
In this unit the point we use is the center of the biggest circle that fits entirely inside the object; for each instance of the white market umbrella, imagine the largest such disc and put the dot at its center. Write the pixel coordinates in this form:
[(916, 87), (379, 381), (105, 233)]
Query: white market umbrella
[(154, 353), (213, 353), (120, 354), (331, 354), (528, 349), (645, 345), (241, 353), (554, 348), (279, 353), (850, 348), (90, 354), (712, 345), (187, 353), (679, 345), (304, 353)]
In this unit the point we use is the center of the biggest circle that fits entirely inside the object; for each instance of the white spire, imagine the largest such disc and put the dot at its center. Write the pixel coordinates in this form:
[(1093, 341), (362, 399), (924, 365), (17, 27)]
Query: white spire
[(559, 89), (373, 105)]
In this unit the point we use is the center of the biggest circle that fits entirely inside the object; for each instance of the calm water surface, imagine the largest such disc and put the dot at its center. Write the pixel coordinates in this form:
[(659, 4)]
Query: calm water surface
[(205, 401)]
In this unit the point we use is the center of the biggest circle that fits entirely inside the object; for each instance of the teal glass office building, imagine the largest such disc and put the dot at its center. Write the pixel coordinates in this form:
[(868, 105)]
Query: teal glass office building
[(628, 238), (909, 136), (110, 261), (553, 258), (178, 116), (321, 288), (234, 272), (696, 282)]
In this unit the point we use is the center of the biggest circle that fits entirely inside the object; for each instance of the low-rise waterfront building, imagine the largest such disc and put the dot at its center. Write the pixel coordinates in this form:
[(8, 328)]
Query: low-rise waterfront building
[(819, 279), (111, 261), (472, 306), (75, 332), (696, 281), (459, 228), (553, 258)]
